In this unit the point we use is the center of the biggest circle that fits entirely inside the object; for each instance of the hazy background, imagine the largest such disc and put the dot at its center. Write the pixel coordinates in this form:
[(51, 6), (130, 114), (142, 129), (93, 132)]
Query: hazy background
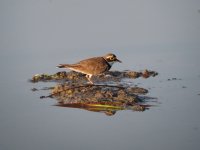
[(70, 30), (58, 25), (161, 35)]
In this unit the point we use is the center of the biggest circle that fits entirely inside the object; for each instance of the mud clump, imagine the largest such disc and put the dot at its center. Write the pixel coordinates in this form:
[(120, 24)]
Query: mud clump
[(107, 95), (66, 93), (99, 98), (109, 76)]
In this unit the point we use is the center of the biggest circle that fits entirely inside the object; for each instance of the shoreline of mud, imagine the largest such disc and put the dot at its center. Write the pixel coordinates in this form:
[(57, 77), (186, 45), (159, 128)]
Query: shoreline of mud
[(107, 95)]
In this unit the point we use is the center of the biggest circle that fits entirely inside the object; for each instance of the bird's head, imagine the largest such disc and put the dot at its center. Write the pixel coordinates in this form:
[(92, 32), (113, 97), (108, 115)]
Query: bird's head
[(111, 58)]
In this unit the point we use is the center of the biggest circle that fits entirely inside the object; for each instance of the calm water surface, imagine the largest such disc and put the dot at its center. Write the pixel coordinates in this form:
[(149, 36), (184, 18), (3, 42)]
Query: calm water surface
[(162, 36), (28, 122)]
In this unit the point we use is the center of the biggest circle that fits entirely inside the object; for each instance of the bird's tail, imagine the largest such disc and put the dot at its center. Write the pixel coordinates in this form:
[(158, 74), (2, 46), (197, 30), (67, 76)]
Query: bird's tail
[(63, 66)]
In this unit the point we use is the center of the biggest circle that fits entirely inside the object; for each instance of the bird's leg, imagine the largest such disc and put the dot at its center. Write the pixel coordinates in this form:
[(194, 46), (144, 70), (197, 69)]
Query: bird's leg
[(89, 78)]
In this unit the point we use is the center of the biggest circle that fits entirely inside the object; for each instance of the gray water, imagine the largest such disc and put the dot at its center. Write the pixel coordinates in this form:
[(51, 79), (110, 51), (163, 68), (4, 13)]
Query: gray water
[(163, 36)]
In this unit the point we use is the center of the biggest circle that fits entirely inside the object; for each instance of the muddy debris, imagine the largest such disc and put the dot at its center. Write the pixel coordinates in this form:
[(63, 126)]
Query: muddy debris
[(66, 94), (109, 76), (173, 79), (108, 95)]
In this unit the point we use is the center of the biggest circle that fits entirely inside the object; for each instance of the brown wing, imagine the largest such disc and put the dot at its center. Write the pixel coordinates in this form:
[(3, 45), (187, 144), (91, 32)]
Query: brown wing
[(95, 65)]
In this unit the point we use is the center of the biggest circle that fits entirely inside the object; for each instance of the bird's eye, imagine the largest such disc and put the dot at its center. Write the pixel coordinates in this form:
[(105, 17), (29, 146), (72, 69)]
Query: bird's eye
[(112, 58)]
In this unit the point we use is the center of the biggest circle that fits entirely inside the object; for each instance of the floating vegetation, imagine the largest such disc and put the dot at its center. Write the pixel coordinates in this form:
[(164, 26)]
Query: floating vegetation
[(107, 95)]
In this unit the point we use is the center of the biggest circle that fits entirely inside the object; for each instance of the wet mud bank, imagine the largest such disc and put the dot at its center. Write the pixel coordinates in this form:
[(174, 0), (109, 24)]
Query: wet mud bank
[(108, 94)]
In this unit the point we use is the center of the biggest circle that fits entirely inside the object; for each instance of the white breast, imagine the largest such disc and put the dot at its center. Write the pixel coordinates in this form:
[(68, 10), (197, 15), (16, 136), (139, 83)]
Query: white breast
[(111, 63)]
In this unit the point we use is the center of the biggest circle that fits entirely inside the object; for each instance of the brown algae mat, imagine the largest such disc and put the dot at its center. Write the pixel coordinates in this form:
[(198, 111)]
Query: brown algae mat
[(107, 95)]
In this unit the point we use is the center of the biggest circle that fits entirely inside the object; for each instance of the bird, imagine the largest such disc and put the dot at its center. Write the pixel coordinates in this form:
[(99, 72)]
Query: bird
[(93, 66)]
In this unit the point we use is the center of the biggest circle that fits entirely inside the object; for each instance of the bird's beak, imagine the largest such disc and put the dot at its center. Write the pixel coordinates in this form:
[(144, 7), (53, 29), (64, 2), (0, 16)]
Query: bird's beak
[(119, 60)]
